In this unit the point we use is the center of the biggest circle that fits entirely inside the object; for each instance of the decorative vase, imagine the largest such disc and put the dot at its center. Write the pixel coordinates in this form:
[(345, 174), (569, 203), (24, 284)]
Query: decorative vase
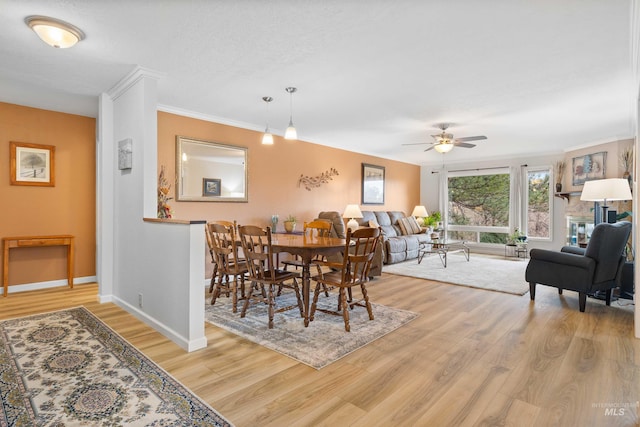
[(274, 223), (289, 226), (558, 187), (627, 175)]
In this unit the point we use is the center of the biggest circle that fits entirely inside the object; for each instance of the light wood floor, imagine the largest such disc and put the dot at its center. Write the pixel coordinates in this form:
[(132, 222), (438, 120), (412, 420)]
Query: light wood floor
[(473, 357)]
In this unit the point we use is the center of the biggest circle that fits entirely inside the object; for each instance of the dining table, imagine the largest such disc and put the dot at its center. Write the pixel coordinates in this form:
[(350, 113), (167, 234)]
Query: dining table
[(306, 247)]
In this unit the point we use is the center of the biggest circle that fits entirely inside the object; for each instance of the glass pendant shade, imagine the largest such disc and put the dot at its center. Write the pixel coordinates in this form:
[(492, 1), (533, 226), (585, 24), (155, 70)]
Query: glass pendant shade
[(267, 137), (291, 132)]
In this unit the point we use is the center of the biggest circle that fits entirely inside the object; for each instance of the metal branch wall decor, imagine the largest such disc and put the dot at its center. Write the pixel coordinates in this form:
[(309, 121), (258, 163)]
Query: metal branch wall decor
[(310, 182)]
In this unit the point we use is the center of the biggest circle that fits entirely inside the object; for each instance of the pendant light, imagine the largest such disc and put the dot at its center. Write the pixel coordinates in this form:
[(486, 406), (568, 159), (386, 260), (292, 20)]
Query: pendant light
[(291, 132), (267, 138), (54, 32)]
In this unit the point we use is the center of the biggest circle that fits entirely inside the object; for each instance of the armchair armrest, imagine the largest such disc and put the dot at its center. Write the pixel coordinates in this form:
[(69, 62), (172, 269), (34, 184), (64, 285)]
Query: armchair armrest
[(573, 250), (564, 258)]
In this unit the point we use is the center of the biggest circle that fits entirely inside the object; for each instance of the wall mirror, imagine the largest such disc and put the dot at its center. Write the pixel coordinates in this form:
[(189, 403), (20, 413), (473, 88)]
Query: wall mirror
[(210, 172)]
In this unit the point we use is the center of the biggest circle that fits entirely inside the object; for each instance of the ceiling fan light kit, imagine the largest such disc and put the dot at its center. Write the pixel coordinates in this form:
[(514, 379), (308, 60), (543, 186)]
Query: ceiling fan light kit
[(444, 142)]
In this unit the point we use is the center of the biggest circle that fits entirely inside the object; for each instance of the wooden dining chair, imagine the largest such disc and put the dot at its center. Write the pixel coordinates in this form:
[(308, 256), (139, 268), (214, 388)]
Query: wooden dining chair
[(263, 273), (207, 232), (352, 272), (231, 267), (315, 228)]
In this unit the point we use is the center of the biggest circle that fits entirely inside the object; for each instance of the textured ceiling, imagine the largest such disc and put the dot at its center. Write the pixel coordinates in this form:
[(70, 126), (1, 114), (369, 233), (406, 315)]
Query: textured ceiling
[(533, 76)]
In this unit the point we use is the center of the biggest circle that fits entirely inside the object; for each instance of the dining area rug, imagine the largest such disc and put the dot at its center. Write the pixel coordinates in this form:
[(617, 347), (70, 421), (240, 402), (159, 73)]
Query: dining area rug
[(69, 368), (321, 343), (489, 272)]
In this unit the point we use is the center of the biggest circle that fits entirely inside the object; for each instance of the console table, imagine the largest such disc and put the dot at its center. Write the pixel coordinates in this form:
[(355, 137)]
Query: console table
[(35, 242)]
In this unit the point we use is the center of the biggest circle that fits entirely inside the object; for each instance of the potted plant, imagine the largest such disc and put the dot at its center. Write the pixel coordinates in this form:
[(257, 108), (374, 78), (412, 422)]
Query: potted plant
[(558, 170), (432, 221), (290, 224)]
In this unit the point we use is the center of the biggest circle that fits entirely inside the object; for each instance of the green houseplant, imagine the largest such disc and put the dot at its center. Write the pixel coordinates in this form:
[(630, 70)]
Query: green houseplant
[(433, 219), (290, 224)]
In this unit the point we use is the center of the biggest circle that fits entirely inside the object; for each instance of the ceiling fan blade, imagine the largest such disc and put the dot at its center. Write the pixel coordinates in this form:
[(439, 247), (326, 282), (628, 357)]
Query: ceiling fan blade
[(418, 143), (471, 138), (430, 148), (464, 144)]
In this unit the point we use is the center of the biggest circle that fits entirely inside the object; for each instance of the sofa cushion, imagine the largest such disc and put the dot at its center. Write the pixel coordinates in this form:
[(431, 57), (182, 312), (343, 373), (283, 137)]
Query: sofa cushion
[(389, 231), (366, 217), (383, 218)]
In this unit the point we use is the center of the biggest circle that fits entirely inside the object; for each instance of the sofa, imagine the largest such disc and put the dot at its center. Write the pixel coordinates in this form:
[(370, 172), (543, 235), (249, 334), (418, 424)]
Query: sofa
[(401, 235)]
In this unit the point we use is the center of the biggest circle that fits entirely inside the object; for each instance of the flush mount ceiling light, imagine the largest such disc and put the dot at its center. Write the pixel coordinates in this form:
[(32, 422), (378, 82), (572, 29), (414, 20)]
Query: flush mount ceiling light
[(54, 32), (267, 138), (291, 132)]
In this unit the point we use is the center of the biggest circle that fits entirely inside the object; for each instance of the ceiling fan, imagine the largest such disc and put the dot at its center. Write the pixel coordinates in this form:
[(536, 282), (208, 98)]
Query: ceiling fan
[(444, 142)]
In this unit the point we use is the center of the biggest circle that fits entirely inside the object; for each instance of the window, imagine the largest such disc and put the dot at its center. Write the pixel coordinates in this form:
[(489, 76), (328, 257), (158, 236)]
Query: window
[(539, 193), (478, 205)]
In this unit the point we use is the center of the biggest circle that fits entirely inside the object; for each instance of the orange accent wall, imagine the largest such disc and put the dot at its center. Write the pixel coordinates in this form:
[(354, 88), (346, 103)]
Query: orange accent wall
[(274, 171), (67, 208)]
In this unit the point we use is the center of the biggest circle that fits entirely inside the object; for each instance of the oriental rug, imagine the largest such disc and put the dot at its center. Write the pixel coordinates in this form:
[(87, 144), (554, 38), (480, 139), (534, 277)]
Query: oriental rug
[(324, 341), (494, 273), (69, 368)]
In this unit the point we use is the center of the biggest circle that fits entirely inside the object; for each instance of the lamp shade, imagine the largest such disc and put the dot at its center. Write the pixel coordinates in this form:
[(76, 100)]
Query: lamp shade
[(352, 211), (606, 190), (420, 211)]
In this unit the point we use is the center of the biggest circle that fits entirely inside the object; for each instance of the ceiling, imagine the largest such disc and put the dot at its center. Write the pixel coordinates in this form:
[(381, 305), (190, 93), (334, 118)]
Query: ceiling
[(533, 76)]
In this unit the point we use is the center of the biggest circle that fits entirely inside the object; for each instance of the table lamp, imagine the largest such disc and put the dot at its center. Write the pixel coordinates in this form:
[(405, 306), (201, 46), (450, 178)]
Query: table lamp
[(420, 212), (603, 190), (352, 211)]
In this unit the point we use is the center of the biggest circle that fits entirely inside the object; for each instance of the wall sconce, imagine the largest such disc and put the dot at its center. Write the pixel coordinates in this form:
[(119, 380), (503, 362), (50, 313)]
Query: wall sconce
[(54, 32)]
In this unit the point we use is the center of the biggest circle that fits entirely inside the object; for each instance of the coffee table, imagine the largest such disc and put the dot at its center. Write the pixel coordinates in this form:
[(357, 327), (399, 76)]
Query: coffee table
[(443, 248)]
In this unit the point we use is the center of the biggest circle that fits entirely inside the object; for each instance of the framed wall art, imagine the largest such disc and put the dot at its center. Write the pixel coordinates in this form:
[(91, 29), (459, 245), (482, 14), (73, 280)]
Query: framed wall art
[(372, 184), (588, 167), (32, 164), (211, 187)]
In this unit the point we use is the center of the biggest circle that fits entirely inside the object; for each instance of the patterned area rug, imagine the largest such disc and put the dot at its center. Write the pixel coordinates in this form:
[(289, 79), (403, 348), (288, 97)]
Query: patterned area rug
[(488, 272), (69, 368), (324, 341)]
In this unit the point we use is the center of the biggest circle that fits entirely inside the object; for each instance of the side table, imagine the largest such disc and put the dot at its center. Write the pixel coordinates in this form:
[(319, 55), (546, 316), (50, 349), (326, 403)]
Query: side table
[(514, 250), (34, 242)]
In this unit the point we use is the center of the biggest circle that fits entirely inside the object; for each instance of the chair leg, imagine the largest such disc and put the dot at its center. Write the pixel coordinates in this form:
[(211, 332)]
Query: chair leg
[(234, 291), (608, 296), (213, 277), (582, 299), (296, 288), (559, 291), (248, 300), (314, 304), (366, 301), (532, 291), (345, 309), (272, 303)]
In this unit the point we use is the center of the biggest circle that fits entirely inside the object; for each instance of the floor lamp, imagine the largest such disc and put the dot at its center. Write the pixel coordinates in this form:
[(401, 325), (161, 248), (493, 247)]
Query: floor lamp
[(605, 190)]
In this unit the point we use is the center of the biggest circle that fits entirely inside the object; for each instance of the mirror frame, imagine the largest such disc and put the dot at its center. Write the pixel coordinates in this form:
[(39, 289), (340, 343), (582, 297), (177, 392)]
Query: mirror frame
[(179, 171)]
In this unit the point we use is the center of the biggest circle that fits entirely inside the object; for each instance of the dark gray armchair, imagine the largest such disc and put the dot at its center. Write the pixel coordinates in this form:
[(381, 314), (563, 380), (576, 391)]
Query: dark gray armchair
[(596, 268)]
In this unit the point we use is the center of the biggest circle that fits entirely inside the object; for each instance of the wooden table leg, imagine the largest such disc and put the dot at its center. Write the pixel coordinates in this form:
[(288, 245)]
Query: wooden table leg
[(5, 267), (70, 254)]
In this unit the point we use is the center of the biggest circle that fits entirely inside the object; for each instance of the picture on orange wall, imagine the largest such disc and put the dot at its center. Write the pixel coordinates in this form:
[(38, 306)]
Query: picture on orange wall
[(372, 184), (32, 164), (211, 187)]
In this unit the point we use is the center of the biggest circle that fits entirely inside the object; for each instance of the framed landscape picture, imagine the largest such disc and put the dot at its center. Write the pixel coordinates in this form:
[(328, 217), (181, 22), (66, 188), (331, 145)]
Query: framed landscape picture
[(32, 164), (372, 184), (210, 187)]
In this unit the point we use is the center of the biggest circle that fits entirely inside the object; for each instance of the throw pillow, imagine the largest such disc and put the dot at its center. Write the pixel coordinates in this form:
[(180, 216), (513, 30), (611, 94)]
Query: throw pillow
[(405, 227), (415, 227)]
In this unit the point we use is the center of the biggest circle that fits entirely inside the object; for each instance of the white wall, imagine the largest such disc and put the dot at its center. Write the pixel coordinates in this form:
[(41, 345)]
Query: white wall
[(156, 269)]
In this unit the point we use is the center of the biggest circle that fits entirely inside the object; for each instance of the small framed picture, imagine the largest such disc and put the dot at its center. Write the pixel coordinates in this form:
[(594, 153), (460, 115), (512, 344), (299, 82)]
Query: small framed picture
[(372, 184), (125, 154), (32, 164), (211, 187)]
